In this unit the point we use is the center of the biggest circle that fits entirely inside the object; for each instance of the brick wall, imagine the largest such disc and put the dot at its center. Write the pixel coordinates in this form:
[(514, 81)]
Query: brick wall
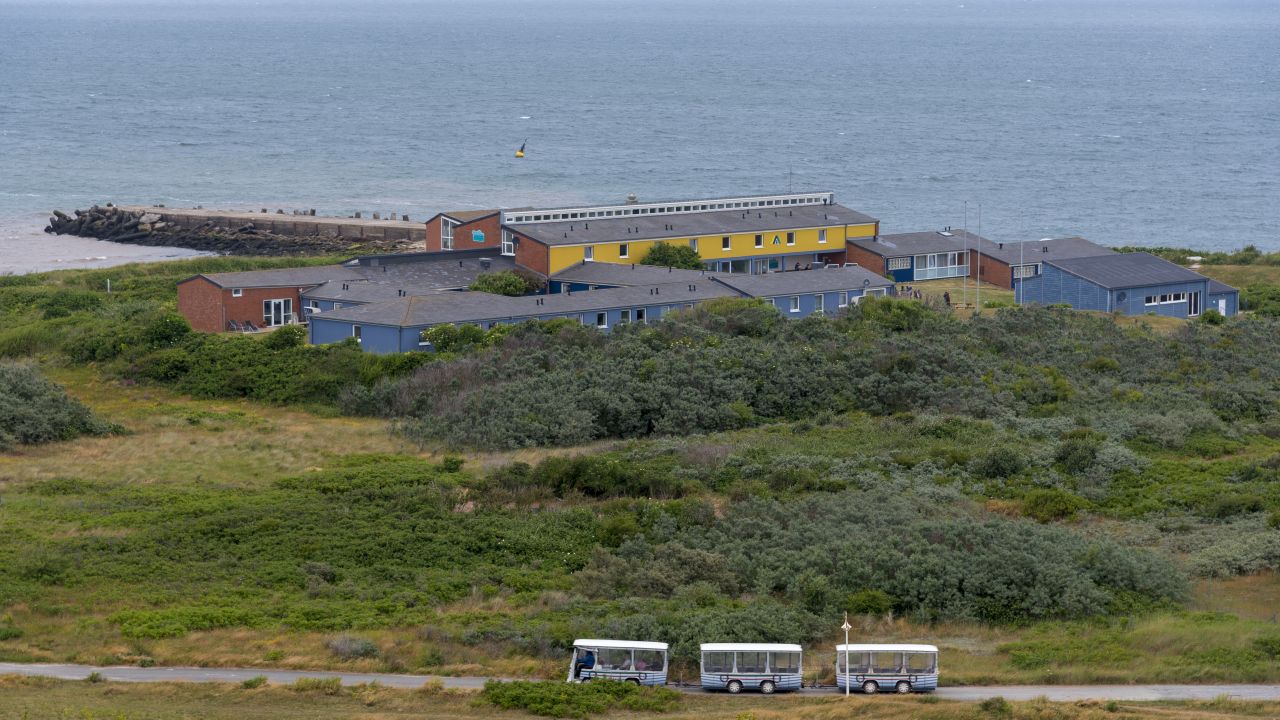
[(432, 243), (532, 255), (990, 270), (200, 302), (865, 258), (249, 305), (490, 225)]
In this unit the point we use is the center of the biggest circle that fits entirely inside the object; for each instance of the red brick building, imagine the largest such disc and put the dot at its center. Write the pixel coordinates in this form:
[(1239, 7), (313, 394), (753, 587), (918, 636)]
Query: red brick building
[(265, 298), (464, 230), (998, 263)]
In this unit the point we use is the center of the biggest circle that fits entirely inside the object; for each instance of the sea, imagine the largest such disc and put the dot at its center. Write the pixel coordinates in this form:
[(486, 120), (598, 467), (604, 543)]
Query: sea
[(1134, 122)]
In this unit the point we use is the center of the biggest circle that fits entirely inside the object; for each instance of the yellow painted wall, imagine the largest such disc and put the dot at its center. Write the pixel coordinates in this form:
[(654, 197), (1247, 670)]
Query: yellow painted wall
[(741, 245)]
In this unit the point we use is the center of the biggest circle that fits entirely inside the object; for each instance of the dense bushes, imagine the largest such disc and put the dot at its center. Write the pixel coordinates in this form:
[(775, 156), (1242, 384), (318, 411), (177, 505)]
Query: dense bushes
[(34, 410), (506, 282), (569, 700), (730, 365)]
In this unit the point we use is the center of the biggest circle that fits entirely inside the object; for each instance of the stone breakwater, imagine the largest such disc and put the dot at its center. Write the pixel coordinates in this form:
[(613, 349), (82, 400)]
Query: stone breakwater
[(240, 233)]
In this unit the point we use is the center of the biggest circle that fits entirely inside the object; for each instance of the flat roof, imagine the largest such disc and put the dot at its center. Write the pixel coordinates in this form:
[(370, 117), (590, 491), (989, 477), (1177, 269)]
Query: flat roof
[(918, 243), (626, 644), (748, 647), (456, 307), (886, 648), (427, 275), (280, 277), (1033, 251), (1127, 270), (691, 224), (801, 281)]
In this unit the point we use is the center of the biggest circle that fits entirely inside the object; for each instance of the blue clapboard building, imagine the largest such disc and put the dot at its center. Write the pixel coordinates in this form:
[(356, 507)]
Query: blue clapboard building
[(1128, 283)]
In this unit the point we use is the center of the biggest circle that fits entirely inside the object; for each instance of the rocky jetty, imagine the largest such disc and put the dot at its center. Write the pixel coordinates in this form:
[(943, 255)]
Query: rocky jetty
[(139, 227)]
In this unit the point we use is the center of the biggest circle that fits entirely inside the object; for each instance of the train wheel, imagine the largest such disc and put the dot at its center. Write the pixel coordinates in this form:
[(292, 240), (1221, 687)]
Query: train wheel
[(633, 681), (768, 687), (870, 687), (734, 687), (903, 687)]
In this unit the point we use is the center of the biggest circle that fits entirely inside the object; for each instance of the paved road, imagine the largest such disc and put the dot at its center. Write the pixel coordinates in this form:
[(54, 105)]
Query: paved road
[(126, 673)]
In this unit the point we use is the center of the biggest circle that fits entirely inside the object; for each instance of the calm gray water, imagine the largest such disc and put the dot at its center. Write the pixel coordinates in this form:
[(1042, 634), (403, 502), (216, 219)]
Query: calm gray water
[(1128, 121)]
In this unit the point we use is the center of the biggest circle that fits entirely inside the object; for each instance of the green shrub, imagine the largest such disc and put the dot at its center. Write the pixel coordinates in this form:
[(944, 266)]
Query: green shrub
[(9, 632), (996, 707), (289, 336), (1268, 645), (347, 647), (34, 410), (254, 682), (324, 686), (676, 256), (1050, 504), (95, 677), (61, 303), (573, 700), (1212, 317), (506, 282), (869, 602), (1001, 462)]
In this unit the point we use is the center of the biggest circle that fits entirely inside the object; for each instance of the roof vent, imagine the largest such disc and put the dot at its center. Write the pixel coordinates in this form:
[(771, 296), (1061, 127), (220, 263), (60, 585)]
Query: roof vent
[(1044, 249), (1001, 246), (945, 233)]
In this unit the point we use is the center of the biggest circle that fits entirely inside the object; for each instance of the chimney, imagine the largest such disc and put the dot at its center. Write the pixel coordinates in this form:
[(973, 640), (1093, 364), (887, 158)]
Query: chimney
[(1001, 246)]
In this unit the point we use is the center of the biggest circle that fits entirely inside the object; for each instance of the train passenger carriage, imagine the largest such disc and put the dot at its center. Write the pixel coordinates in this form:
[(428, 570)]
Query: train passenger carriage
[(639, 662), (881, 668), (765, 667)]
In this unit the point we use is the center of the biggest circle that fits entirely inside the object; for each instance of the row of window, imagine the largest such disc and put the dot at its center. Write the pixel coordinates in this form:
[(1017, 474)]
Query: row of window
[(586, 214), (751, 662), (620, 659), (888, 663), (1026, 271), (726, 245), (819, 300), (1166, 299), (446, 233)]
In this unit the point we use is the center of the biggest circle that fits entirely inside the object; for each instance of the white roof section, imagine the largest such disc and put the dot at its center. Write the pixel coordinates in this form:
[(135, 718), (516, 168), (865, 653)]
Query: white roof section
[(749, 647), (621, 644), (886, 648)]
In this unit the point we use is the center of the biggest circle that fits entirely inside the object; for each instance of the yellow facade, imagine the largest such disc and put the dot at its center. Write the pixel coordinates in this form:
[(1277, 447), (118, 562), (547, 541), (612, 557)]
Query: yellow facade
[(710, 247)]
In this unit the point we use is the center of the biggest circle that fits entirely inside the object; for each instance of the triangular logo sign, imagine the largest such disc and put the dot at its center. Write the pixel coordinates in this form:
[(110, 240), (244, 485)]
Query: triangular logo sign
[(777, 240)]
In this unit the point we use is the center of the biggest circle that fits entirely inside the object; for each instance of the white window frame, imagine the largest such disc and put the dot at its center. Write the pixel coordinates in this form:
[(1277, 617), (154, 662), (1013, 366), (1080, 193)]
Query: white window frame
[(759, 240), (822, 236), (898, 263), (791, 238), (844, 298), (642, 317), (589, 253), (237, 292), (726, 244), (446, 233), (1151, 300), (422, 337), (508, 243), (623, 250), (605, 317), (820, 303), (357, 333), (795, 304), (624, 316)]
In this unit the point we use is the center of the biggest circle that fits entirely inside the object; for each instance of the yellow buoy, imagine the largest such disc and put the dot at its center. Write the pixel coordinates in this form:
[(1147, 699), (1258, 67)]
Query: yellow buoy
[(520, 152)]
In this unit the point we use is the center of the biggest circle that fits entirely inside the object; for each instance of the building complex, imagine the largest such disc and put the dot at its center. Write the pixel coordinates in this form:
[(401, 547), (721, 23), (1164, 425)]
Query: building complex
[(802, 252)]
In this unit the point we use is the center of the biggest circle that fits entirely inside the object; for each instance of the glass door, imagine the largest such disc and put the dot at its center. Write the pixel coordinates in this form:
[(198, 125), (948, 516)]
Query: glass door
[(277, 312)]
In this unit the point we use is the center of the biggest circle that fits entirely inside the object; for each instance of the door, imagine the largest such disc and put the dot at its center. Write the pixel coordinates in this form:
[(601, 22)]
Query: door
[(277, 312), (1222, 306), (1193, 304)]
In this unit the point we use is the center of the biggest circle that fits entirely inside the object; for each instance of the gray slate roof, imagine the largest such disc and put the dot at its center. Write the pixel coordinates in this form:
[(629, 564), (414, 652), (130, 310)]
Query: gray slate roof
[(1034, 251), (804, 281), (918, 243), (455, 307), (1127, 270), (601, 273), (421, 274), (687, 225), (1217, 287), (281, 277)]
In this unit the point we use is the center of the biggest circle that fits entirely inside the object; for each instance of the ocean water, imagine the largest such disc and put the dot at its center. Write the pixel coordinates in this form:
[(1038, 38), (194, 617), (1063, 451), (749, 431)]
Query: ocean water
[(1142, 122)]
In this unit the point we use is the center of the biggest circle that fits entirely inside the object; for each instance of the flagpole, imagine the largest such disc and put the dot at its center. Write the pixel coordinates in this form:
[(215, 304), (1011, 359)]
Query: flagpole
[(978, 280), (846, 626)]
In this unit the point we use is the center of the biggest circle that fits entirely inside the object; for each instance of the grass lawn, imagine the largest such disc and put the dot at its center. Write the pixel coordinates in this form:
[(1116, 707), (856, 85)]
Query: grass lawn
[(1239, 276), (41, 699)]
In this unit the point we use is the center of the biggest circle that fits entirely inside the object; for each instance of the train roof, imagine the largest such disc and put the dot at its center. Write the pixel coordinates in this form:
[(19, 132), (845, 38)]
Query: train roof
[(887, 647), (747, 647), (627, 644)]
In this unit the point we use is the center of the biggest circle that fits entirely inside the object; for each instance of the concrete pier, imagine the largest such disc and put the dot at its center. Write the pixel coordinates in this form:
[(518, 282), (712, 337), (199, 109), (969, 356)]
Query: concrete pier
[(307, 225)]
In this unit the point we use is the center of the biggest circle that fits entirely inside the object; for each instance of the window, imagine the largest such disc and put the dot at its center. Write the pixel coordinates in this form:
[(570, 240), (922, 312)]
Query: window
[(446, 234), (784, 662), (752, 662), (844, 299), (640, 316), (613, 659), (858, 662), (791, 238), (602, 320), (622, 250), (624, 317), (589, 253), (795, 303), (422, 338), (899, 263), (693, 244), (759, 241), (717, 662), (237, 292), (921, 662), (822, 235), (886, 662), (1152, 300), (508, 243), (1169, 298), (650, 660), (1026, 271), (819, 302), (725, 244), (355, 333)]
